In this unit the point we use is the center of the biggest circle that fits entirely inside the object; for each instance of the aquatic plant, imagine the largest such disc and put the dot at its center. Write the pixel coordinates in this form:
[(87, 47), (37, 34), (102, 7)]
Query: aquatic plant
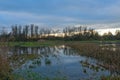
[(30, 75), (109, 57), (47, 61)]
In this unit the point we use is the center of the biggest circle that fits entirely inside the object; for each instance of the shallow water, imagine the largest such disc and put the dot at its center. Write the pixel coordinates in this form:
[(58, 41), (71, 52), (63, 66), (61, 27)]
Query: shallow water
[(60, 61)]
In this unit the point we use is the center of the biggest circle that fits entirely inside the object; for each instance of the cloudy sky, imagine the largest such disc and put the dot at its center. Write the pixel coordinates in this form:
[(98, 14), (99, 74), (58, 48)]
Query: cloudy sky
[(58, 12)]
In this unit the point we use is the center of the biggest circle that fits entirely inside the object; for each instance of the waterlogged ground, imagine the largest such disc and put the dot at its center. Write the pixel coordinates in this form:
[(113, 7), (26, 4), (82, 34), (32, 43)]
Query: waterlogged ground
[(58, 61)]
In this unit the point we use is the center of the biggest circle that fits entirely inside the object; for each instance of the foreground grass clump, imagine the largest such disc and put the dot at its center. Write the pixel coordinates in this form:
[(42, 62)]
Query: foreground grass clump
[(110, 78), (4, 65), (4, 68), (30, 75), (109, 57)]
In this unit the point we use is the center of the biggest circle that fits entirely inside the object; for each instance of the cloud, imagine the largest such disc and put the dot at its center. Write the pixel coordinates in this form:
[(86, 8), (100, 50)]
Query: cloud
[(25, 17), (59, 11)]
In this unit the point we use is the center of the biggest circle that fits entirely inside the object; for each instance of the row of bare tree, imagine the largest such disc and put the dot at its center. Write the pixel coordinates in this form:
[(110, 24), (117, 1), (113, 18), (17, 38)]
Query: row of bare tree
[(33, 32)]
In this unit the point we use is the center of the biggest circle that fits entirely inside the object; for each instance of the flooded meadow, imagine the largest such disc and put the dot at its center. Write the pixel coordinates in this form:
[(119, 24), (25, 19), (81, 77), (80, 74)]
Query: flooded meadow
[(63, 62)]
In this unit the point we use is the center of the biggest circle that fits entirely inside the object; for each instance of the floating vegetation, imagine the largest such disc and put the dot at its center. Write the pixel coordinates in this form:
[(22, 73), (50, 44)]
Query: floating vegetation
[(47, 61), (32, 66), (38, 62), (84, 70), (94, 67), (35, 63)]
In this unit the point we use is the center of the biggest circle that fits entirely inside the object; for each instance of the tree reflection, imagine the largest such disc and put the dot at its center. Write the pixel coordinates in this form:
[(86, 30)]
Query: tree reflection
[(21, 55)]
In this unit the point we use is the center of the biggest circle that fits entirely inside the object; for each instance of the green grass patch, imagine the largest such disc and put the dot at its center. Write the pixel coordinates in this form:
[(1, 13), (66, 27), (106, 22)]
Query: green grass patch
[(31, 44), (50, 43)]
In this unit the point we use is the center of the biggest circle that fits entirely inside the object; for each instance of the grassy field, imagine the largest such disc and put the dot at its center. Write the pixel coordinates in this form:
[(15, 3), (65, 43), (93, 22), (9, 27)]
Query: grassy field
[(50, 43), (31, 44)]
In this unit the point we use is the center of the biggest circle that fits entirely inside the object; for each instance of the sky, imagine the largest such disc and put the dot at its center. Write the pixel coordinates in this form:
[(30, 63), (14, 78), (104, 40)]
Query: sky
[(59, 12)]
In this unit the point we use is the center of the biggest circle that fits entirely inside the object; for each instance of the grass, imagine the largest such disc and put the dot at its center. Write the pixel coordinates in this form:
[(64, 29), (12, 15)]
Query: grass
[(110, 78), (105, 54), (4, 65), (16, 59), (6, 74), (49, 43), (110, 58), (32, 44), (30, 75)]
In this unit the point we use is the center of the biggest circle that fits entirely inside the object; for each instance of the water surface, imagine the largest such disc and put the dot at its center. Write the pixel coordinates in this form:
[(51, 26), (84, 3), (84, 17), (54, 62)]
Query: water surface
[(60, 61)]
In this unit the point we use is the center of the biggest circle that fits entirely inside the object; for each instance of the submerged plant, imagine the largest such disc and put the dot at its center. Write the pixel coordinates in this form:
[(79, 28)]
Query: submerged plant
[(47, 61)]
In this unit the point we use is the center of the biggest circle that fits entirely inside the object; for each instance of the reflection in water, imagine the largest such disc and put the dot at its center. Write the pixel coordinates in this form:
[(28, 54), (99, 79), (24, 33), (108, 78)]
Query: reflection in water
[(55, 61)]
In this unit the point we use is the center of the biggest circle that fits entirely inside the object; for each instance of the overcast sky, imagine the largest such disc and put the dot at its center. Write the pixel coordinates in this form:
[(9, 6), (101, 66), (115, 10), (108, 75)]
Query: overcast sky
[(59, 11)]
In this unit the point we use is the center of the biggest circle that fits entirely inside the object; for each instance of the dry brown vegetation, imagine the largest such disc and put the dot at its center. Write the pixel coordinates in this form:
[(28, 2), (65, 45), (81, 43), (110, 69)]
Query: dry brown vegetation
[(106, 54), (4, 64)]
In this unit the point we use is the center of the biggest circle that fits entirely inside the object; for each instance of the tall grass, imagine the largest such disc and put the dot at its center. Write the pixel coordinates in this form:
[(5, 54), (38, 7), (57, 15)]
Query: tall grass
[(4, 65), (109, 57)]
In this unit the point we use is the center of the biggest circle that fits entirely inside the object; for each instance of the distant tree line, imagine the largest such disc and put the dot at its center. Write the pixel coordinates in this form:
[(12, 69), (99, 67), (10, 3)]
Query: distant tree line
[(35, 33)]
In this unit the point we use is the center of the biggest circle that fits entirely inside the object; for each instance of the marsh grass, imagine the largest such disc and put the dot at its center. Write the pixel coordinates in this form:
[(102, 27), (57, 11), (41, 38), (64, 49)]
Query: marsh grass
[(109, 57), (110, 78), (30, 75), (17, 60), (7, 74), (5, 69)]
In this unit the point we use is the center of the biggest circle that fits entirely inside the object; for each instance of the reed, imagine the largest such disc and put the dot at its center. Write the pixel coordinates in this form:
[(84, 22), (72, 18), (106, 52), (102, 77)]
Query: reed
[(109, 57)]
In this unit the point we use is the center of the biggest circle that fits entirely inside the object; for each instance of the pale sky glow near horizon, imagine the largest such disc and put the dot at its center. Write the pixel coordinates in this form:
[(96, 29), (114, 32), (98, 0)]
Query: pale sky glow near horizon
[(59, 12)]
